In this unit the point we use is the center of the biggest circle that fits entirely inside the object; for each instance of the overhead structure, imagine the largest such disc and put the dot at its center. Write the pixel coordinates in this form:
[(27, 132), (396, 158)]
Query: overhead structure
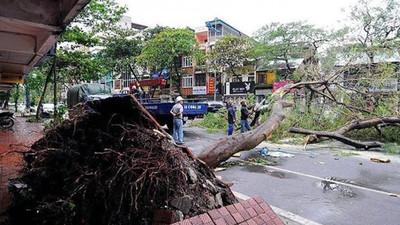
[(28, 31)]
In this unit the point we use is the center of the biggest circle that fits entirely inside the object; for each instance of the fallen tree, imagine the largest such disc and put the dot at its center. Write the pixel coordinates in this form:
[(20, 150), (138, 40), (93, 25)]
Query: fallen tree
[(111, 164), (223, 149), (339, 137), (377, 123)]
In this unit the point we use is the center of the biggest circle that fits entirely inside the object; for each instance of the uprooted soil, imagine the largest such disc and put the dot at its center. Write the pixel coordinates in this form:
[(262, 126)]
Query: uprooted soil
[(111, 164)]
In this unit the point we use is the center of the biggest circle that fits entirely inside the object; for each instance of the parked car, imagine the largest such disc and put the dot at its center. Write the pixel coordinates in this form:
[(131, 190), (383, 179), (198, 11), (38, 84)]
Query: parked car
[(48, 108), (214, 106)]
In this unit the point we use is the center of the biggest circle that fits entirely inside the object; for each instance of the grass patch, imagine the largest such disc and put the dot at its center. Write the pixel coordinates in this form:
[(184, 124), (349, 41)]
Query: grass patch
[(392, 148), (348, 154), (213, 122)]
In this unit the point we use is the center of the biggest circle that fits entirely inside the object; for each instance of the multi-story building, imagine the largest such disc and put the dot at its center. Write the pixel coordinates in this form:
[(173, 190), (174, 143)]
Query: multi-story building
[(200, 81)]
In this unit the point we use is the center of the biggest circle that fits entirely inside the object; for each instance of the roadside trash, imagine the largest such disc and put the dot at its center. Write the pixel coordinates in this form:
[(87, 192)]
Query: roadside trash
[(360, 163), (380, 160), (238, 154), (280, 154), (336, 158), (322, 163), (264, 151), (218, 169), (198, 138)]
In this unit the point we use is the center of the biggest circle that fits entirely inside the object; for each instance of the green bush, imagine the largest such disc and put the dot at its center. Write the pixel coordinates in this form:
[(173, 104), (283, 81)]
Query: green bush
[(214, 122)]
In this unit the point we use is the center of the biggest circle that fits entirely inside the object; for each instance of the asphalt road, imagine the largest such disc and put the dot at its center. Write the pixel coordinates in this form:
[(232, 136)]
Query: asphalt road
[(319, 184)]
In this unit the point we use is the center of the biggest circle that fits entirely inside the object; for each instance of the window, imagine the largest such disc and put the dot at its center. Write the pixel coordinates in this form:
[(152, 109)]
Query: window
[(250, 78), (200, 80), (187, 81), (187, 61), (261, 78)]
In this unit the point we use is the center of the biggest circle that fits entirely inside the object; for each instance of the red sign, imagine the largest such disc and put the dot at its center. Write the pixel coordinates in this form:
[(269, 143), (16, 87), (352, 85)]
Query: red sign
[(279, 84), (211, 84)]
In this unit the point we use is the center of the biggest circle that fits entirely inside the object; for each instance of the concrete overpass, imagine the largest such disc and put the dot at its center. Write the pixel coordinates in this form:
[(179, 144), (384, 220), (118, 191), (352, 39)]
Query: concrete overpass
[(28, 30)]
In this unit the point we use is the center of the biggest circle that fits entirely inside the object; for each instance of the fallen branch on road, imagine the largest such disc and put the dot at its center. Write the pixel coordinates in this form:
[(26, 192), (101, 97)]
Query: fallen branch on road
[(336, 136)]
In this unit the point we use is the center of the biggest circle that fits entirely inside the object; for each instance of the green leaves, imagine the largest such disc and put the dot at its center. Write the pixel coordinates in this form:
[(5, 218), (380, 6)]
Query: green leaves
[(121, 48), (230, 53), (168, 45)]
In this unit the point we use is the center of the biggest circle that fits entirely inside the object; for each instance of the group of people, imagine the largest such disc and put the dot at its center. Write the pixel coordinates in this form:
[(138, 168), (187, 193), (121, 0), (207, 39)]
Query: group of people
[(177, 113), (244, 116)]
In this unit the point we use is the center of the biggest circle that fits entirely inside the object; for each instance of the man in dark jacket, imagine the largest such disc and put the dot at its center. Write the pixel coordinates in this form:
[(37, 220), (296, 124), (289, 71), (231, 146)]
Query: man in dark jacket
[(231, 117), (244, 114)]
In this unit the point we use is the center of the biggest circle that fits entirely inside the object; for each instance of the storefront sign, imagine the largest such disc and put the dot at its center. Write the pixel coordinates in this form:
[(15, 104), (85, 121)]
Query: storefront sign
[(199, 90), (279, 84), (240, 87), (210, 86)]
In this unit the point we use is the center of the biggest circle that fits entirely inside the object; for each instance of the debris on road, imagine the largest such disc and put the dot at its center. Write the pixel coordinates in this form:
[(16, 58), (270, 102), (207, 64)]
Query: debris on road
[(380, 160), (279, 154), (107, 165), (238, 154)]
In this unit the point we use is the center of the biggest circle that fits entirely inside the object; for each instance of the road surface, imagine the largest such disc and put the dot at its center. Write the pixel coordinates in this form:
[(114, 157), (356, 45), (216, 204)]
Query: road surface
[(325, 184)]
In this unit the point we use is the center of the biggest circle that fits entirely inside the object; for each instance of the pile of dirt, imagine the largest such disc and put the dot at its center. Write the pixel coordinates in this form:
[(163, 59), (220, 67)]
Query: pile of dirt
[(111, 164)]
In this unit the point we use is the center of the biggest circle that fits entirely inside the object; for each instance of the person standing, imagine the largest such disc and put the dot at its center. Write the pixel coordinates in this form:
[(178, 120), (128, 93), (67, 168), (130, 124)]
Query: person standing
[(231, 117), (257, 112), (244, 114), (177, 113)]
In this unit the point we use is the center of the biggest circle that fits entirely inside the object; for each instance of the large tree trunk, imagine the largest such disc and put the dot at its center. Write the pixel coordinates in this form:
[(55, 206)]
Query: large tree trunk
[(228, 146)]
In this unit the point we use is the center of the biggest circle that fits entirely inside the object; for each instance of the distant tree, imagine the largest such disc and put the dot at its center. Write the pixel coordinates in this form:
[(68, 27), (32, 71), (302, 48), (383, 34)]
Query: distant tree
[(75, 63), (230, 54), (376, 26), (151, 33), (166, 50), (294, 40), (121, 48)]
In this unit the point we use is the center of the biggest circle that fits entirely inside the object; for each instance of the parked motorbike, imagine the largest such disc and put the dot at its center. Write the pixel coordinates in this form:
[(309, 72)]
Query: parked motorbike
[(6, 119)]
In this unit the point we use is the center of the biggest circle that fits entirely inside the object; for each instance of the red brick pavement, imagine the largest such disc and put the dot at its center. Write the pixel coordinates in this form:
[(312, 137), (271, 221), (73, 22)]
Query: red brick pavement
[(19, 137), (250, 212)]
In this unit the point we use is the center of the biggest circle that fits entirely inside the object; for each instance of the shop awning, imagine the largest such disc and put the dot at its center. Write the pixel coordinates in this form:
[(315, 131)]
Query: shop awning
[(28, 30)]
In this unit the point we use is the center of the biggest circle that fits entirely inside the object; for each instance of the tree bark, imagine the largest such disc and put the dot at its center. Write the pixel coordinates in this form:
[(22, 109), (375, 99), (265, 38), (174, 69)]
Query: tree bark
[(339, 137), (228, 146), (178, 79)]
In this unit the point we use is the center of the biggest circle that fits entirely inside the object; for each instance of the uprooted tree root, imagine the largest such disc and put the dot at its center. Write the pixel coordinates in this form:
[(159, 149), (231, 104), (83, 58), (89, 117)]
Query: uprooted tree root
[(110, 164)]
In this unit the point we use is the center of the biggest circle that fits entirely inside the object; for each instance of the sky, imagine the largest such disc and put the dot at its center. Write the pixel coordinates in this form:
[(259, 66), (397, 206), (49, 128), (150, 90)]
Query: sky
[(245, 15)]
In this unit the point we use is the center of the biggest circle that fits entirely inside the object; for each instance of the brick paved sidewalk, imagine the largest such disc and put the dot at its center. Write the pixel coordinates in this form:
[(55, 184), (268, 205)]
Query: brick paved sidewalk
[(22, 135), (253, 211)]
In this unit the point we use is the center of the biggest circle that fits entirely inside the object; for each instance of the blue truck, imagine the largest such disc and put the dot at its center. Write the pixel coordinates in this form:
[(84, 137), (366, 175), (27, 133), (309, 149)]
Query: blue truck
[(161, 110)]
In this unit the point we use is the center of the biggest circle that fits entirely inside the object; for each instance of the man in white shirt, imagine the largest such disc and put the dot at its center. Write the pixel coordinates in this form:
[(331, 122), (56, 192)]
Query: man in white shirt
[(177, 113)]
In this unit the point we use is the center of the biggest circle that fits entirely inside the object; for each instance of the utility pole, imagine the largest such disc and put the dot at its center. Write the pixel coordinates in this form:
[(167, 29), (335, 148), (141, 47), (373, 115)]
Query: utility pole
[(215, 71)]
